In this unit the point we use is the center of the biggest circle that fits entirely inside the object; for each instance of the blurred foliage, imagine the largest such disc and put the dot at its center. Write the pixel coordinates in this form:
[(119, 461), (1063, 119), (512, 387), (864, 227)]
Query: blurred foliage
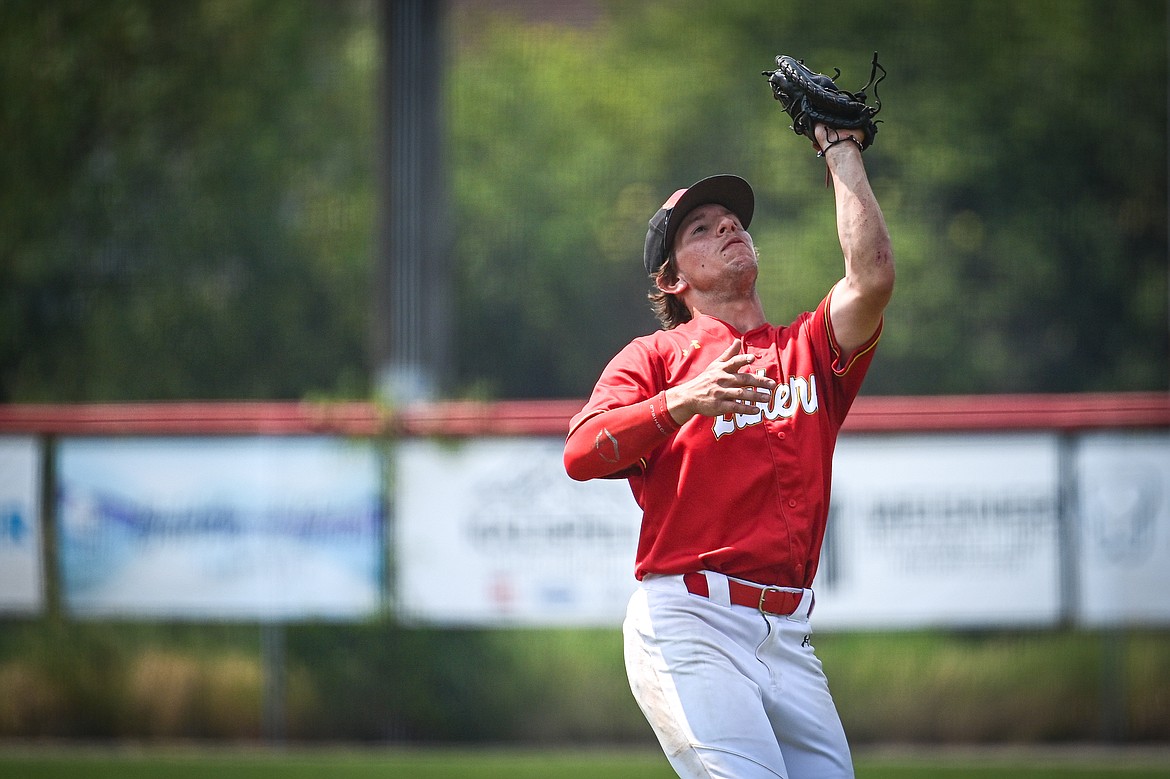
[(187, 193), (1025, 192), (372, 682), (184, 199), (378, 682)]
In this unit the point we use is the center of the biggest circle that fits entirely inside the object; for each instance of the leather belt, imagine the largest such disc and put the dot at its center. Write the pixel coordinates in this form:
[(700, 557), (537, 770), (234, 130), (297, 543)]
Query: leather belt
[(778, 601)]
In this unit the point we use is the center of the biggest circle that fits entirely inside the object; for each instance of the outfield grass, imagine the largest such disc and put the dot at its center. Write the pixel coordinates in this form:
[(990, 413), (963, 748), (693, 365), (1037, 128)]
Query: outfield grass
[(227, 763)]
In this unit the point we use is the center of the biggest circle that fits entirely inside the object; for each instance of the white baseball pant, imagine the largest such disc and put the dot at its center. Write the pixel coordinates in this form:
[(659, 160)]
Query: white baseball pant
[(730, 691)]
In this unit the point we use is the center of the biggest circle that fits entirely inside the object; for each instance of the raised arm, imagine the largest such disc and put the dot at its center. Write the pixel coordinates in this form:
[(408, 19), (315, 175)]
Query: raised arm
[(860, 297)]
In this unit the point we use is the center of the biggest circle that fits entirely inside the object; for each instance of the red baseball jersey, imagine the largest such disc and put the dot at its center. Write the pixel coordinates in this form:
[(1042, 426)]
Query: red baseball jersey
[(744, 495)]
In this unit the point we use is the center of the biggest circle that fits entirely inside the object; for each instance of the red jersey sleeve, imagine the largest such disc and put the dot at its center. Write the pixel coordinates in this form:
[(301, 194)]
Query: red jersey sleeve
[(848, 370), (624, 420)]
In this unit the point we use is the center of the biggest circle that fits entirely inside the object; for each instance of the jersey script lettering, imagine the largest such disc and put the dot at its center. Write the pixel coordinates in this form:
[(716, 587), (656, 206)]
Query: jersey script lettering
[(798, 393)]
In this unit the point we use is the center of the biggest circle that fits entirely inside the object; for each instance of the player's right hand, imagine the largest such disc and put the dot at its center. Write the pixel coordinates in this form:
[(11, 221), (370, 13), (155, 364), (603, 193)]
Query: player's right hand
[(726, 386)]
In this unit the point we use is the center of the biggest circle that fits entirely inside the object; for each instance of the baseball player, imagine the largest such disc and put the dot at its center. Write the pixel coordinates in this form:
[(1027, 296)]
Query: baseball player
[(725, 426)]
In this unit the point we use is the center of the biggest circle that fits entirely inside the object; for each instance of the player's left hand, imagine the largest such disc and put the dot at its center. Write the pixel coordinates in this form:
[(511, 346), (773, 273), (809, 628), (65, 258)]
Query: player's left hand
[(826, 137)]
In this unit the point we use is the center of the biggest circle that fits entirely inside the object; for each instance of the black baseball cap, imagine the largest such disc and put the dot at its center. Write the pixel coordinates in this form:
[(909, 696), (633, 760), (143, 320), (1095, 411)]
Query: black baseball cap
[(731, 192)]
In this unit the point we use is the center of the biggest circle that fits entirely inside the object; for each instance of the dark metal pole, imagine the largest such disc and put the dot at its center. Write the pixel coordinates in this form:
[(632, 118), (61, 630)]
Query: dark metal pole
[(273, 714), (412, 279)]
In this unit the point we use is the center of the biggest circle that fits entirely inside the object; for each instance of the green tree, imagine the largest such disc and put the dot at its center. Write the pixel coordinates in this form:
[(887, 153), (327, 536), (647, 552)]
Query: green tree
[(1027, 199), (184, 191), (187, 193)]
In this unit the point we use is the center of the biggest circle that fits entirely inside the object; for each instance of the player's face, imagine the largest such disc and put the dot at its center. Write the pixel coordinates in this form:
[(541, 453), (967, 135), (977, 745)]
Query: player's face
[(713, 248)]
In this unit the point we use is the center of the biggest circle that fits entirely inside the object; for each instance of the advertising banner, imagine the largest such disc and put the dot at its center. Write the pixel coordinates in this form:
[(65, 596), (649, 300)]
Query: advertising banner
[(250, 528), (1123, 512), (21, 574), (955, 530), (492, 531), (925, 530)]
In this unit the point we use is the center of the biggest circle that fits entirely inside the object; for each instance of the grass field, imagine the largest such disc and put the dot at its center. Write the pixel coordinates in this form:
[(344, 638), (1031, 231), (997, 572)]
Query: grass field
[(47, 762)]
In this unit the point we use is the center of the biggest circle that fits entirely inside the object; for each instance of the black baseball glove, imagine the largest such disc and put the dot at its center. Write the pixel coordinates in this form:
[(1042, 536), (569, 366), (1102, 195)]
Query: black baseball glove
[(810, 97)]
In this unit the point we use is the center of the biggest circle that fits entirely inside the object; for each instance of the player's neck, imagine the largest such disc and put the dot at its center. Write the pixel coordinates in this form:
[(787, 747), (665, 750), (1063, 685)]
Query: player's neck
[(744, 314)]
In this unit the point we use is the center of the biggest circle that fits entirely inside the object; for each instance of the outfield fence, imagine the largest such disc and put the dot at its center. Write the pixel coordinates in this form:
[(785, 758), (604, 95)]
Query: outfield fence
[(953, 513)]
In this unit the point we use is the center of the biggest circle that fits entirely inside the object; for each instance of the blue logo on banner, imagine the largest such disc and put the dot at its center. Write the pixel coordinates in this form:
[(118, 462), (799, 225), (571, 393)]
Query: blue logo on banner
[(13, 527)]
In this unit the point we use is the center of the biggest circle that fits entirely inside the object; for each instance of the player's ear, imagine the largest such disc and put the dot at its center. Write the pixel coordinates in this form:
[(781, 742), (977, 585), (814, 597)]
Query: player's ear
[(672, 285)]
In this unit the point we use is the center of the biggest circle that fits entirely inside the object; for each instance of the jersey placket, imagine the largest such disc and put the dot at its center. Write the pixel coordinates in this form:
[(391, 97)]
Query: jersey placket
[(774, 432)]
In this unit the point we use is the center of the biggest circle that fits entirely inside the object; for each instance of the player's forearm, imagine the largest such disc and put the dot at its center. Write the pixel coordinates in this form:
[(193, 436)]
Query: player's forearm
[(620, 438), (861, 227)]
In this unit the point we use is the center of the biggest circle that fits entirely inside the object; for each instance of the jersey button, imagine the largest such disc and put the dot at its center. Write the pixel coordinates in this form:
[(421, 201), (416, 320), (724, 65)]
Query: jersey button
[(782, 435), (792, 503)]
